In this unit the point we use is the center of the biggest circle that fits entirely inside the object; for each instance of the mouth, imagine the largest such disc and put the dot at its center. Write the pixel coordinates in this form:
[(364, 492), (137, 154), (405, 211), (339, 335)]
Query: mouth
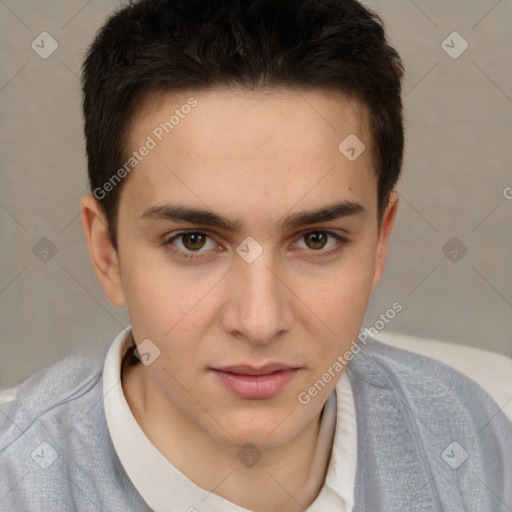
[(255, 383)]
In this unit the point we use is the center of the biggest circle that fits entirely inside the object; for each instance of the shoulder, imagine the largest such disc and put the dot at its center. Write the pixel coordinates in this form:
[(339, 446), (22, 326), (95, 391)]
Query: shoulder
[(55, 447), (428, 387), (490, 370), (54, 419), (441, 422), (51, 396)]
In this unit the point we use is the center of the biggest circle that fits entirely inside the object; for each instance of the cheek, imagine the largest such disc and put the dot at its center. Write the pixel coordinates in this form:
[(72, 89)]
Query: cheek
[(149, 299), (338, 303), (343, 306), (167, 303), (343, 287)]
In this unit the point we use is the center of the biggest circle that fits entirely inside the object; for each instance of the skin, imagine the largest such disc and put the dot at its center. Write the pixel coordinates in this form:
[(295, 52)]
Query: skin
[(256, 157)]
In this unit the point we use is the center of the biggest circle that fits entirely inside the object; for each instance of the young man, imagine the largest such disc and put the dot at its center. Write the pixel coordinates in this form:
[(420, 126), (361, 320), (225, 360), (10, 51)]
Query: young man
[(242, 157)]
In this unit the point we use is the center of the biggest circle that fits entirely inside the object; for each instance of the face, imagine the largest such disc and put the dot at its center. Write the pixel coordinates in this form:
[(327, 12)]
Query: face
[(277, 269)]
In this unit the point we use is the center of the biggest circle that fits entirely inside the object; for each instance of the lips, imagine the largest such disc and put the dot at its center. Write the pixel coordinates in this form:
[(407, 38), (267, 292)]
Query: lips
[(245, 369), (255, 383)]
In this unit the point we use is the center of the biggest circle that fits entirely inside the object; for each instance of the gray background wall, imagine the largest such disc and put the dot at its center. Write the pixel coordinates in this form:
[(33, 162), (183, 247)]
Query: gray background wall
[(457, 174)]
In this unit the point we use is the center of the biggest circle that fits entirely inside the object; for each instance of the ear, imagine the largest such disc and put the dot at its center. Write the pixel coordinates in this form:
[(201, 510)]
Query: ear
[(104, 258), (387, 222)]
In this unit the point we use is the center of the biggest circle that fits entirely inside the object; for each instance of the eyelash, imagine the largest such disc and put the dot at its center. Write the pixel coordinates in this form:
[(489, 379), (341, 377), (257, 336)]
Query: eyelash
[(190, 255)]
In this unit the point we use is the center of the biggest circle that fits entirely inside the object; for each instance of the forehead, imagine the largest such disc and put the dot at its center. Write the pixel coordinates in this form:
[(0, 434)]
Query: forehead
[(260, 113), (221, 147)]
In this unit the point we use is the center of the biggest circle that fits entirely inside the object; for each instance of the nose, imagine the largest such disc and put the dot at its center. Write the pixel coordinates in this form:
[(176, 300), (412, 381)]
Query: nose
[(259, 305)]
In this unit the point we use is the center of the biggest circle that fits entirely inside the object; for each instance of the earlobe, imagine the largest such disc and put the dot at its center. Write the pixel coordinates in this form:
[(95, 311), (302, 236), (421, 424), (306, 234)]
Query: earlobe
[(388, 220), (104, 257)]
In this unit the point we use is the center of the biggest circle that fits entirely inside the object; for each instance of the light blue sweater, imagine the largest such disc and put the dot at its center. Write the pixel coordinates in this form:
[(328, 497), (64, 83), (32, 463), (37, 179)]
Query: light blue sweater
[(429, 439)]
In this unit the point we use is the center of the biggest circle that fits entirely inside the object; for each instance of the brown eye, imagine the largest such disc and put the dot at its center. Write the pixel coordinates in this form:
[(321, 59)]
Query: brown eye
[(193, 241), (317, 240), (190, 244)]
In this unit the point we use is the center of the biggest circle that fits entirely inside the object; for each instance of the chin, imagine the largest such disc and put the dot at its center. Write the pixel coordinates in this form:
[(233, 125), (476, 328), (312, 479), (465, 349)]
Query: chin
[(265, 431)]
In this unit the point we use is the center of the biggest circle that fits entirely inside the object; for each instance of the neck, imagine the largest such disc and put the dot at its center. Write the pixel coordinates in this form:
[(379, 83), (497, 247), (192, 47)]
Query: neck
[(279, 481)]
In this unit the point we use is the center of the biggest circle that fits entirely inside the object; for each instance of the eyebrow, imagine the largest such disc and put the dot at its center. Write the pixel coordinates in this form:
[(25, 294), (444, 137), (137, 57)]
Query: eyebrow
[(192, 215)]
